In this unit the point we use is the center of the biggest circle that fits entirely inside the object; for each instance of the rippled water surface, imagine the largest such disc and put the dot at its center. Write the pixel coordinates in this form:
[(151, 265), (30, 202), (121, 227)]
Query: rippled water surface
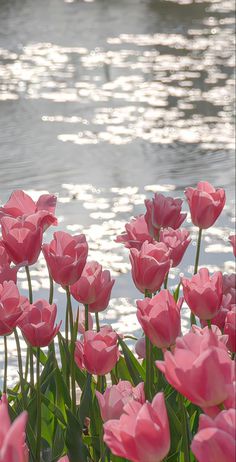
[(104, 102)]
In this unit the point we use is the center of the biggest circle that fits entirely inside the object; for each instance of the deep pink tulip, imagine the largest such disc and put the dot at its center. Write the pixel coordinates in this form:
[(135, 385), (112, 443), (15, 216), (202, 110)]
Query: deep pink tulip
[(163, 212), (219, 319), (12, 436), (229, 286), (21, 204), (200, 368), (142, 432), (7, 273), (66, 257), (10, 309), (94, 287), (140, 348), (81, 323), (232, 240), (114, 399), (136, 233), (215, 439), (98, 353), (22, 240), (205, 204), (150, 266), (37, 323), (203, 293), (160, 318), (177, 241), (230, 329)]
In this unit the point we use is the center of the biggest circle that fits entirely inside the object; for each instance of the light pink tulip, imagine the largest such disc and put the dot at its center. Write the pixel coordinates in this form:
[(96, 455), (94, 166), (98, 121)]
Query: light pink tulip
[(219, 319), (163, 212), (64, 459), (200, 368), (22, 240), (232, 240), (142, 432), (177, 241), (160, 318), (21, 204), (215, 329), (140, 348), (12, 436), (81, 323), (114, 399), (98, 352), (215, 439), (205, 203), (10, 309), (66, 257), (203, 293), (94, 287), (230, 329), (136, 233), (229, 286), (37, 323), (150, 266)]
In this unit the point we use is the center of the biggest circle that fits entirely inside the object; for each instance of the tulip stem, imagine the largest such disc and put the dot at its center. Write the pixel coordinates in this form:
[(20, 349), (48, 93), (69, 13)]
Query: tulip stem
[(38, 439), (148, 369), (193, 319), (72, 351), (97, 322), (86, 326), (29, 284), (20, 367), (185, 434), (5, 365), (209, 323), (31, 368), (166, 280), (50, 290)]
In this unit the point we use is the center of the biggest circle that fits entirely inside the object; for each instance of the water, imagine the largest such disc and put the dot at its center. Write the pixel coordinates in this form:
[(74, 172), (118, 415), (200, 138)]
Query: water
[(104, 102)]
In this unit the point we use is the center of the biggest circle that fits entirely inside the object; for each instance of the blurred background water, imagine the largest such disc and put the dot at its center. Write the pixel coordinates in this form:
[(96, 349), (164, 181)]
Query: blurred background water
[(104, 102)]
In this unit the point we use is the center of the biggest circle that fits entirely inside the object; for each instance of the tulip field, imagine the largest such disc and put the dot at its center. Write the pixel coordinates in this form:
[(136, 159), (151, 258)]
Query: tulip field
[(84, 395)]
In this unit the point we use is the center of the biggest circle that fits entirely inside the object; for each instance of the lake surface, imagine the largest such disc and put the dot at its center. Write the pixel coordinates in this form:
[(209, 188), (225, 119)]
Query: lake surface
[(104, 102)]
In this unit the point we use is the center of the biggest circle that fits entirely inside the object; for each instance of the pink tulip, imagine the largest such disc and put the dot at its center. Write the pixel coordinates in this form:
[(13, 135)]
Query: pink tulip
[(20, 204), (200, 369), (66, 257), (160, 318), (12, 436), (163, 212), (205, 203), (10, 309), (150, 266), (136, 233), (230, 329), (140, 348), (142, 432), (177, 241), (114, 399), (229, 286), (81, 323), (219, 319), (94, 287), (203, 293), (215, 329), (98, 353), (232, 240), (64, 459), (7, 273), (37, 323), (215, 439), (22, 240)]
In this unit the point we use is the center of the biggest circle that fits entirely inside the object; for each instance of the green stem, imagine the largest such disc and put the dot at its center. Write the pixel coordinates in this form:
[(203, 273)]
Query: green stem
[(97, 322), (72, 351), (198, 251), (166, 280), (50, 290), (209, 323), (185, 434), (31, 356), (158, 235), (5, 365), (20, 367), (232, 355), (148, 369), (29, 284), (27, 363), (86, 324), (38, 439)]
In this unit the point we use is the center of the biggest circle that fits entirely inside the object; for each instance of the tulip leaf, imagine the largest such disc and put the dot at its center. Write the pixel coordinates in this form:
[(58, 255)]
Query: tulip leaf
[(77, 450), (85, 401), (54, 409), (135, 369)]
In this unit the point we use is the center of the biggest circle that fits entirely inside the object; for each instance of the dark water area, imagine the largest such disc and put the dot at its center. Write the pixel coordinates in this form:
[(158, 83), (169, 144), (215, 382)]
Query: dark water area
[(104, 102)]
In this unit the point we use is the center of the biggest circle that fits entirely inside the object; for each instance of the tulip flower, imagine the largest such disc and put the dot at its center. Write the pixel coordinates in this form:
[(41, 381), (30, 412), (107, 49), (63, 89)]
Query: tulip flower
[(66, 257), (7, 273), (94, 287), (136, 233), (12, 436), (215, 439), (37, 323), (98, 353), (22, 240), (64, 459), (219, 319), (200, 369), (177, 241), (230, 329), (10, 309), (150, 266), (203, 293), (114, 399), (160, 318), (81, 321), (142, 432), (229, 286), (140, 348), (163, 212), (232, 240), (21, 204), (206, 204)]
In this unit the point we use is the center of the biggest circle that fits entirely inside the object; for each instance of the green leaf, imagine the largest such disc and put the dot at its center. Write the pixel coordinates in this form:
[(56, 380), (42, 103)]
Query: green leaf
[(86, 400), (135, 369), (53, 409), (77, 450)]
